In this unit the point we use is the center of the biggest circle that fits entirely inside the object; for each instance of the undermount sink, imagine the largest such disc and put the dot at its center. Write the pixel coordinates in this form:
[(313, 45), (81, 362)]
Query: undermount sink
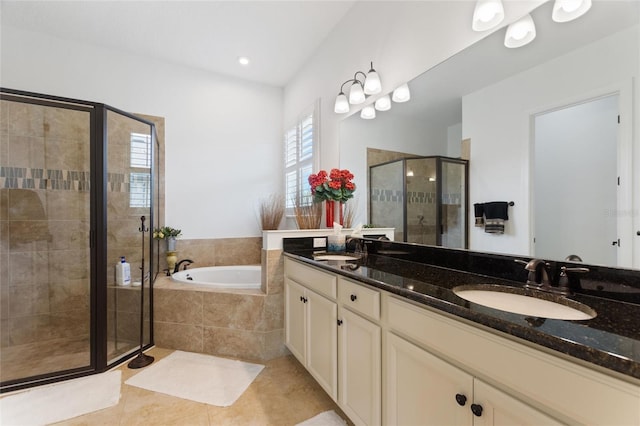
[(525, 302), (334, 257)]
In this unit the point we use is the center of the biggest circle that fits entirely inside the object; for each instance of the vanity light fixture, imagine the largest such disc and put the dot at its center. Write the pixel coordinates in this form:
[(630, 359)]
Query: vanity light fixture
[(361, 85), (383, 103), (401, 94), (568, 10), (368, 112), (521, 32), (487, 15)]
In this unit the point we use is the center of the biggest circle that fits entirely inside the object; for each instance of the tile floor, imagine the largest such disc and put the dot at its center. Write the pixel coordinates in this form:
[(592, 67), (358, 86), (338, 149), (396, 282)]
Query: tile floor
[(282, 394)]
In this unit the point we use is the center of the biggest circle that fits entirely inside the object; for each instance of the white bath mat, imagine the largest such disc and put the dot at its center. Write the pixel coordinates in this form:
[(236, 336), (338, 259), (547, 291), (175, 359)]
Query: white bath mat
[(198, 377), (61, 401), (328, 418)]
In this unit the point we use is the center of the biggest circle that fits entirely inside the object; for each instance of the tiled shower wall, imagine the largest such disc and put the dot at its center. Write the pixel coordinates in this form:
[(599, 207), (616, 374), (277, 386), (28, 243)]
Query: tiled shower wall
[(44, 224)]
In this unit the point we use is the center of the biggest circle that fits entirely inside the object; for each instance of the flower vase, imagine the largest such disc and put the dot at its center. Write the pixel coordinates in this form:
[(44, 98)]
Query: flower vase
[(341, 207), (171, 244), (329, 211)]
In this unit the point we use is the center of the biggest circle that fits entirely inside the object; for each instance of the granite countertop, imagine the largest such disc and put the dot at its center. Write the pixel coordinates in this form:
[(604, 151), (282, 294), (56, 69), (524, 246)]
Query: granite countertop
[(610, 340)]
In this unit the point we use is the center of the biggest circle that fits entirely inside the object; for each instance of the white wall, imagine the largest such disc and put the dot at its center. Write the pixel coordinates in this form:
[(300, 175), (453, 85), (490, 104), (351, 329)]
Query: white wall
[(454, 140), (403, 39), (223, 135), (497, 120)]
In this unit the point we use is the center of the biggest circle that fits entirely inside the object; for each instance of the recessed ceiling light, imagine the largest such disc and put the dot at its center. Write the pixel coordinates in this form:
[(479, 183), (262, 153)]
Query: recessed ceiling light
[(243, 60)]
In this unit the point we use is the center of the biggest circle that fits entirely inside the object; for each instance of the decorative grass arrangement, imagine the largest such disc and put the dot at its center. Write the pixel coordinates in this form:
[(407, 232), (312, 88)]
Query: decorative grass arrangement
[(308, 216), (271, 212), (349, 214)]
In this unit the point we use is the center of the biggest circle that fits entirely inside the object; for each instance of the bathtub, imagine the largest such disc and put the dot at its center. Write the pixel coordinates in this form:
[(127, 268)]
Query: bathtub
[(229, 277)]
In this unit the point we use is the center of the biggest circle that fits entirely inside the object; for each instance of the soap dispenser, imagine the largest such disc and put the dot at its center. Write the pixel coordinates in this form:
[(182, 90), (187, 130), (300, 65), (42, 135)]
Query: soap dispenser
[(123, 272)]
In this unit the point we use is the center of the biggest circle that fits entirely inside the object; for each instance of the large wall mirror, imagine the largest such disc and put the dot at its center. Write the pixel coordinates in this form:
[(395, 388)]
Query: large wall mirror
[(541, 123)]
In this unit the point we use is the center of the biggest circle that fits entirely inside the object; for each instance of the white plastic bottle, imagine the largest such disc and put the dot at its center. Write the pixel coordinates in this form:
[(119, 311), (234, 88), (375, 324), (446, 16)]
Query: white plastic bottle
[(123, 272)]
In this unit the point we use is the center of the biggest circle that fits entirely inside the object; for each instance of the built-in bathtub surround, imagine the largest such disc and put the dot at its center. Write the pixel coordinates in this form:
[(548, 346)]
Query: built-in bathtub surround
[(246, 324)]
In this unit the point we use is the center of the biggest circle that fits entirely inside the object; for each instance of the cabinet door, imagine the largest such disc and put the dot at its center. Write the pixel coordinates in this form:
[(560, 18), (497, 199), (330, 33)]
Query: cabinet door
[(500, 409), (359, 354), (295, 320), (322, 341), (423, 390)]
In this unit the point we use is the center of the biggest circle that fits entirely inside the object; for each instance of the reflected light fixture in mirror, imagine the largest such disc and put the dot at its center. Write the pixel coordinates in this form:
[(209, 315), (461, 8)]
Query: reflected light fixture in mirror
[(568, 10), (488, 14), (401, 94), (383, 103), (368, 112), (521, 32)]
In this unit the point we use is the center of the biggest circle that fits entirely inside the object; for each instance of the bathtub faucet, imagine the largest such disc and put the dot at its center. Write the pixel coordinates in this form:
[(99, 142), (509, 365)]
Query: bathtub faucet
[(186, 262)]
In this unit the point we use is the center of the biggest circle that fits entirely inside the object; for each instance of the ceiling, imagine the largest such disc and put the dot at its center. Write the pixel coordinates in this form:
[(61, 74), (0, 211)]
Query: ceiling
[(278, 36)]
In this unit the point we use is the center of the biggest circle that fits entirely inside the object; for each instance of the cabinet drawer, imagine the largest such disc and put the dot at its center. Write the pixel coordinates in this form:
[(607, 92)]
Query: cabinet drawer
[(359, 298), (318, 281)]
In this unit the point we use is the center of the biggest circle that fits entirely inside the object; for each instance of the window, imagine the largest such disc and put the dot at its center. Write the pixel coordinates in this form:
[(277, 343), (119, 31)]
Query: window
[(301, 145), (140, 180)]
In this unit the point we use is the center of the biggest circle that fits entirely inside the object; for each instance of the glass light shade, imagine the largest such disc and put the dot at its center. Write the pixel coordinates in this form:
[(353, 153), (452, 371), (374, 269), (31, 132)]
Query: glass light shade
[(368, 112), (401, 94), (342, 104), (568, 10), (372, 84), (383, 103), (520, 32), (487, 15), (356, 94)]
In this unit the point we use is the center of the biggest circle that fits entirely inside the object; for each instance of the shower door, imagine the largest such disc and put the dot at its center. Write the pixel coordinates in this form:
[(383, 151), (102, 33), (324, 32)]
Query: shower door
[(75, 182), (45, 269)]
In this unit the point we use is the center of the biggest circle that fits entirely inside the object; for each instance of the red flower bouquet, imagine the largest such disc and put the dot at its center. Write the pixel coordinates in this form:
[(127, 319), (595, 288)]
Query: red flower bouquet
[(335, 186)]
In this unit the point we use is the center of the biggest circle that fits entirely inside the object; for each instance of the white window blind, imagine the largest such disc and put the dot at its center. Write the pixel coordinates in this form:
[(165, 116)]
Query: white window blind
[(140, 180), (300, 145)]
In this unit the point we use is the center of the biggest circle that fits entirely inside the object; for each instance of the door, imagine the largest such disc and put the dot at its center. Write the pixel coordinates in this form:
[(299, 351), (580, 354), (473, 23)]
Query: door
[(295, 323), (359, 363), (322, 341), (45, 275), (500, 409), (576, 183), (422, 389)]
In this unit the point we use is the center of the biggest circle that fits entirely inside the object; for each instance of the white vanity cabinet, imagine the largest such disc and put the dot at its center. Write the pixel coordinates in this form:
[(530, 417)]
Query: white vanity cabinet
[(310, 322), (422, 389), (359, 356), (396, 362)]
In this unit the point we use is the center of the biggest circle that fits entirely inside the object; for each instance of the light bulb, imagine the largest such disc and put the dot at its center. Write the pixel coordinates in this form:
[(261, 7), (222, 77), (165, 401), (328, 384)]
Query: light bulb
[(342, 104), (372, 85), (487, 15), (568, 10), (383, 103), (356, 94), (520, 32), (368, 112), (401, 94)]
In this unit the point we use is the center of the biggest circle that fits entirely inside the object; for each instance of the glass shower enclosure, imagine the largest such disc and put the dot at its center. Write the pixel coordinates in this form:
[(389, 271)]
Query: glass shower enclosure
[(76, 178), (424, 198)]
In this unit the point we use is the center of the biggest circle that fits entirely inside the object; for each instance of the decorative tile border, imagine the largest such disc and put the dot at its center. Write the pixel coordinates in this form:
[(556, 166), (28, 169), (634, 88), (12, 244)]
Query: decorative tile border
[(51, 179)]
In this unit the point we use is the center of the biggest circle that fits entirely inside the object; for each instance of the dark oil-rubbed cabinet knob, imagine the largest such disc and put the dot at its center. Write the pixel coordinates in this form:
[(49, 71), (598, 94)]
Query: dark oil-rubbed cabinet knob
[(339, 322), (302, 299), (461, 399), (353, 297), (476, 409)]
